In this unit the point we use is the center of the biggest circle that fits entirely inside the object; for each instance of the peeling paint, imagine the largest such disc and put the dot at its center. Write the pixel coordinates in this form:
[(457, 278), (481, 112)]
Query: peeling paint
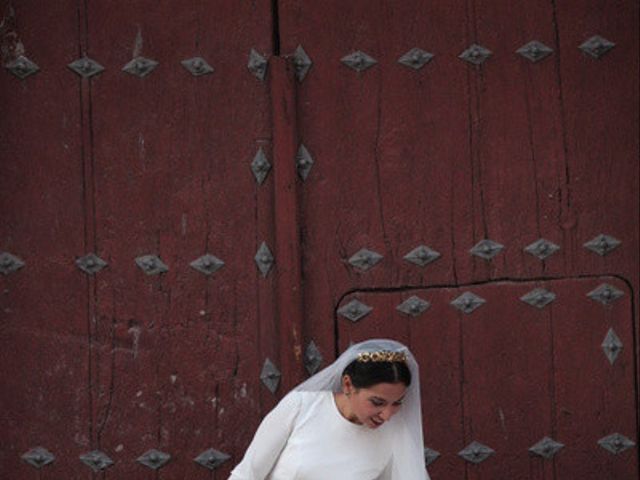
[(10, 45), (137, 44), (135, 332)]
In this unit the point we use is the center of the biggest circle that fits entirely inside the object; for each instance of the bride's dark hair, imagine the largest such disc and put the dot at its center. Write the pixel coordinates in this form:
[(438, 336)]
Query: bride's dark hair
[(367, 374)]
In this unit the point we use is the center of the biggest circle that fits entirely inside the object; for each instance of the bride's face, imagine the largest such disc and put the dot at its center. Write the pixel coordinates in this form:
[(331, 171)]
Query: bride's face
[(375, 405)]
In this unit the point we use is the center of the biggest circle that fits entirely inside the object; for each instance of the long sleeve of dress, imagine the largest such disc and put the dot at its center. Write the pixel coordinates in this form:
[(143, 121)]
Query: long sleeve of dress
[(269, 440)]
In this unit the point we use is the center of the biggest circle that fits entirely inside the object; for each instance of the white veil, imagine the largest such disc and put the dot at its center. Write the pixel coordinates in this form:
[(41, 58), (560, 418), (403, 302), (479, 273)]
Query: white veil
[(406, 425)]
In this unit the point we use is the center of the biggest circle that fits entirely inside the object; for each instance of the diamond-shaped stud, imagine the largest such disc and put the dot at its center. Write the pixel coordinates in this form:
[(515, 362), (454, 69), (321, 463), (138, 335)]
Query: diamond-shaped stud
[(301, 63), (468, 302), (546, 448), (264, 259), (535, 51), (154, 459), (539, 298), (270, 376), (602, 244), (151, 264), (9, 263), (596, 46), (476, 54), (211, 458), (197, 66), (358, 61), (207, 264), (365, 259), (86, 67), (616, 443), (22, 67), (486, 249), (90, 263), (422, 256), (605, 294), (260, 166), (304, 162), (430, 456), (415, 58), (413, 306), (542, 248), (140, 66), (612, 346), (354, 310), (312, 358), (257, 64), (38, 457), (97, 460), (476, 452)]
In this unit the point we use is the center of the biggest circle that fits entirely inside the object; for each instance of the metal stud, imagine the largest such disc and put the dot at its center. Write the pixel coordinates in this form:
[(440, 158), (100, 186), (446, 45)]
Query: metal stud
[(430, 456), (301, 63), (97, 460), (596, 46), (154, 459), (468, 302), (602, 244), (9, 263), (90, 263), (616, 443), (151, 264), (365, 259), (140, 66), (535, 51), (542, 248), (354, 310), (264, 259), (198, 66), (270, 376), (486, 249), (260, 166), (22, 67), (38, 457), (413, 306), (605, 294), (257, 64), (476, 452), (546, 448), (211, 458), (207, 264), (476, 54), (539, 298), (86, 67), (422, 256), (358, 61), (612, 346), (304, 162), (312, 358), (415, 58)]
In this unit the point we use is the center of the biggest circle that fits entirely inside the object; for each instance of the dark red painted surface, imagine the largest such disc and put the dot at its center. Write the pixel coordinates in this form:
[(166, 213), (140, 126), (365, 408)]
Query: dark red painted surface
[(444, 156)]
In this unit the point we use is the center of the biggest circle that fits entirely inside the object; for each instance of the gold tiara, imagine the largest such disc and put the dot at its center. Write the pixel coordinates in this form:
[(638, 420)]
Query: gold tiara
[(382, 356)]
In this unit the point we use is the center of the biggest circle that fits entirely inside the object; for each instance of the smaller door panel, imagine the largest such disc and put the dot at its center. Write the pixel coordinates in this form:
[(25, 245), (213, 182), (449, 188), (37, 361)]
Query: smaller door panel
[(508, 374)]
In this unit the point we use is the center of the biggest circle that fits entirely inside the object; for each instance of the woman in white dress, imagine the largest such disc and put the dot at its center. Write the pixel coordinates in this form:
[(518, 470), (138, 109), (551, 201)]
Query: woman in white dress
[(358, 419)]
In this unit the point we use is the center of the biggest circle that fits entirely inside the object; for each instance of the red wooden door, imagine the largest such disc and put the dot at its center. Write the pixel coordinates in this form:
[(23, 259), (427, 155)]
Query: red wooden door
[(158, 166)]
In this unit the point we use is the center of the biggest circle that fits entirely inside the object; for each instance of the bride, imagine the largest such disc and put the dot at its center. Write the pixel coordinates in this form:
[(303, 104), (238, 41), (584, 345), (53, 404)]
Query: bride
[(358, 419)]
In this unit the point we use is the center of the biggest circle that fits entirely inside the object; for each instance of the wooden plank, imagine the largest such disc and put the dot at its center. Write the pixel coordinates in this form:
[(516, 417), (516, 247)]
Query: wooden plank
[(594, 397), (181, 352), (44, 345), (388, 175), (507, 376)]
